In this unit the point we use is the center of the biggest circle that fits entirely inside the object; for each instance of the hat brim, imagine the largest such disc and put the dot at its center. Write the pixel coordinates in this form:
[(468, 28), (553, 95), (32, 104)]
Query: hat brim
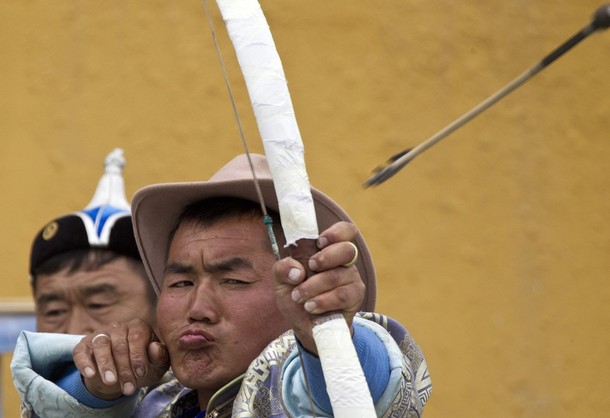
[(157, 208)]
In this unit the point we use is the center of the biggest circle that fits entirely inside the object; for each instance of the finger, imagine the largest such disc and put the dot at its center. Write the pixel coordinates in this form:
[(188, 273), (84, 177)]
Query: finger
[(288, 271), (340, 231), (158, 365), (89, 355), (321, 283), (138, 339), (331, 290), (101, 346), (122, 360), (334, 255), (159, 356), (346, 298), (83, 358)]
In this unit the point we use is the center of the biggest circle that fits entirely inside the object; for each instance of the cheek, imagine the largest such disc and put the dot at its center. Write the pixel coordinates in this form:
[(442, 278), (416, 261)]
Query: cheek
[(168, 314), (263, 320), (42, 326), (139, 302)]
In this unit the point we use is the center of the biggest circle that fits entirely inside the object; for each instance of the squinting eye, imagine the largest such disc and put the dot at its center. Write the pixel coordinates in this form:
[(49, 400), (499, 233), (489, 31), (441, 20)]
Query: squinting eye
[(236, 282), (181, 283), (98, 306), (54, 313)]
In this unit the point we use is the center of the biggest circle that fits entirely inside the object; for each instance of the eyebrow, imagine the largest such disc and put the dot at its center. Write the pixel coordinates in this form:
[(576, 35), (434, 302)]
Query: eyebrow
[(45, 298), (96, 290), (229, 264)]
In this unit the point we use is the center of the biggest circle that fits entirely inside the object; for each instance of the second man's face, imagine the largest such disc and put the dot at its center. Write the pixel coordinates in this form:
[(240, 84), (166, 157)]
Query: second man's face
[(83, 301)]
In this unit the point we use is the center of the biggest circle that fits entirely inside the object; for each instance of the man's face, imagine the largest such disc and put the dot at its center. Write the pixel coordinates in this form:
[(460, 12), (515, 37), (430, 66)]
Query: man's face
[(83, 301), (217, 311)]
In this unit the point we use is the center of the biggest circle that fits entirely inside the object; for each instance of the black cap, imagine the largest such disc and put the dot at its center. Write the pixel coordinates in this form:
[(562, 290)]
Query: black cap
[(104, 223)]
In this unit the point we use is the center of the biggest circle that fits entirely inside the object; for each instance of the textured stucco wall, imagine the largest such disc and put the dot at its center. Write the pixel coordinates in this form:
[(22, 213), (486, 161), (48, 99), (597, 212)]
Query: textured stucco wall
[(493, 247)]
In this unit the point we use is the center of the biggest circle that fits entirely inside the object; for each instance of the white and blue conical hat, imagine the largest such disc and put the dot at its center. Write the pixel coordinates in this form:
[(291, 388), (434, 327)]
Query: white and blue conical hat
[(104, 223)]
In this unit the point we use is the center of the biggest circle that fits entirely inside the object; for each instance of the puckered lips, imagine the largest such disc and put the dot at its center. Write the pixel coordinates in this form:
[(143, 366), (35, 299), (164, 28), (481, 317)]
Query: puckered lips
[(195, 339)]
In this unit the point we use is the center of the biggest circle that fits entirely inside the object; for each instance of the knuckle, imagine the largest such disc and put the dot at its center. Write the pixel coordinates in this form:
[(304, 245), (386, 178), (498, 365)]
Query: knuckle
[(115, 325), (343, 295), (120, 348), (334, 278), (360, 287), (137, 359), (349, 228), (105, 363), (136, 336), (320, 259), (79, 348), (124, 373), (344, 230), (123, 369), (305, 293), (137, 356), (354, 228)]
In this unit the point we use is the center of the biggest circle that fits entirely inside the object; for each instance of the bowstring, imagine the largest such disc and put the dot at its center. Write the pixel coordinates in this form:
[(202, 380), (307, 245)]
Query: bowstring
[(267, 219)]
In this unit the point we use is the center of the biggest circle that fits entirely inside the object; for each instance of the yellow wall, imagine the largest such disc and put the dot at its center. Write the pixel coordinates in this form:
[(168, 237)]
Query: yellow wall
[(493, 247)]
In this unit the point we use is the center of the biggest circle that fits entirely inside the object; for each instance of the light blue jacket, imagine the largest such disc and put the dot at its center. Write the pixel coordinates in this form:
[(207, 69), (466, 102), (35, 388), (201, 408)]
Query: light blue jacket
[(273, 386)]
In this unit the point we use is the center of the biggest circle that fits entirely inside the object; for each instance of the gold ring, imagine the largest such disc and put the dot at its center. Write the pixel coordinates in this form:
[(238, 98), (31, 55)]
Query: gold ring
[(98, 336), (353, 260)]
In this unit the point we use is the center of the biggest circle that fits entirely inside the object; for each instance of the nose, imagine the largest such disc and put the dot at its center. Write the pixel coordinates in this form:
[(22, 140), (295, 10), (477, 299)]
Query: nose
[(204, 304), (80, 322)]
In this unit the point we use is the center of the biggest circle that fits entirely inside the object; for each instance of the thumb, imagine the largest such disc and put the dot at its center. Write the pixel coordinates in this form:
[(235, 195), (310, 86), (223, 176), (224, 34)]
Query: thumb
[(158, 356)]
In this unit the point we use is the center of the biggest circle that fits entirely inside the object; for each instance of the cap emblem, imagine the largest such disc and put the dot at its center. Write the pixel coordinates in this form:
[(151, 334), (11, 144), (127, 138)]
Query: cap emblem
[(50, 231)]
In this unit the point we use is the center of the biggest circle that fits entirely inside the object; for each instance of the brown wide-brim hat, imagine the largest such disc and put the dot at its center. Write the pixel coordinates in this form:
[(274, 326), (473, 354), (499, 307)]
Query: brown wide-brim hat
[(156, 209)]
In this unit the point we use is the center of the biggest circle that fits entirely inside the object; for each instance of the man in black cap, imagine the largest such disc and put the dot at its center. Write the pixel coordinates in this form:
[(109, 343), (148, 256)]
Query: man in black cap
[(85, 268)]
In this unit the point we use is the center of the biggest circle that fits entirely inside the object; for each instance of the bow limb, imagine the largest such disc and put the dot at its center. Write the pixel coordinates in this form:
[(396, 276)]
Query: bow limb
[(264, 76)]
